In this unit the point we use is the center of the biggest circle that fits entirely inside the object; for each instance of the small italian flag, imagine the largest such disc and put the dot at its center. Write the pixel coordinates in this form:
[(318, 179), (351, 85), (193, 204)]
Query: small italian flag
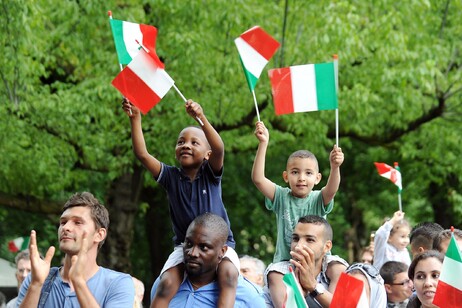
[(294, 296), (18, 244), (449, 288), (304, 88), (125, 36), (349, 293), (143, 82), (391, 173), (255, 47)]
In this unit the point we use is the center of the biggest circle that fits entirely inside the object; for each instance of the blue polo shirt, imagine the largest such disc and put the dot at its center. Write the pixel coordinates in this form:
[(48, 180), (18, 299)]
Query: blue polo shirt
[(187, 199)]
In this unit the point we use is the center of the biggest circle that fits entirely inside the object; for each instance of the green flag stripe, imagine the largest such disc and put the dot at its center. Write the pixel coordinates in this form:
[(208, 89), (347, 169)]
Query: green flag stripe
[(251, 79), (118, 34), (325, 86), (453, 251)]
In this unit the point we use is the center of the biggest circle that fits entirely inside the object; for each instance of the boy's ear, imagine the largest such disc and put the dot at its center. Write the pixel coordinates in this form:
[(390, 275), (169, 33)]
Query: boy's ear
[(318, 178), (207, 155), (285, 176)]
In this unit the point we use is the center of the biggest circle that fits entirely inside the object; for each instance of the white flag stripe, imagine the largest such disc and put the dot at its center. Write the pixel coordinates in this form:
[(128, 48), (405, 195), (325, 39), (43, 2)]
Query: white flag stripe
[(252, 60), (132, 32), (143, 66), (452, 276), (363, 301), (304, 95), (18, 242)]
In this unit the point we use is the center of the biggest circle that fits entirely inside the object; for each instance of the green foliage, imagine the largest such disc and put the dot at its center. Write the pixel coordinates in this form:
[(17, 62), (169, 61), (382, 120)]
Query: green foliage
[(63, 129)]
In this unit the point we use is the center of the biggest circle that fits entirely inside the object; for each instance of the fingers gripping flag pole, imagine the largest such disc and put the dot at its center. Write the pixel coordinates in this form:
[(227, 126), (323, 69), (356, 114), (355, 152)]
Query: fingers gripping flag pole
[(394, 175)]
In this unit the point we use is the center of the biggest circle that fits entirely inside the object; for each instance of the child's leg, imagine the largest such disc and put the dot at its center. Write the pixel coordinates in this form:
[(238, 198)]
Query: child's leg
[(227, 281), (277, 288), (168, 286)]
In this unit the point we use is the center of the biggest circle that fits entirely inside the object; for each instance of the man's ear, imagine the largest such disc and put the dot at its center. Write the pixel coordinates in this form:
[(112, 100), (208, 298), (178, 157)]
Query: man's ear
[(388, 288), (100, 235), (318, 178), (285, 176), (222, 252), (327, 246)]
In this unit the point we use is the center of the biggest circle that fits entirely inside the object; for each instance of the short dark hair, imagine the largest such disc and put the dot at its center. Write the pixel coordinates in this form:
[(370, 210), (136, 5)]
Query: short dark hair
[(445, 235), (320, 221), (215, 223), (303, 154), (422, 256), (390, 269), (423, 234), (99, 213)]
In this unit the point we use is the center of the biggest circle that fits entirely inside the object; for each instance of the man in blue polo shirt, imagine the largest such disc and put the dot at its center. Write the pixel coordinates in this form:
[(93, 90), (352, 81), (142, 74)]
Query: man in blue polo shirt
[(203, 249)]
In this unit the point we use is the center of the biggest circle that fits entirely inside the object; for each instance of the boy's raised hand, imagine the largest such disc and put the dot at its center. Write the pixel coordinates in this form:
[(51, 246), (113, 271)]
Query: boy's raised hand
[(194, 109), (130, 109), (261, 132), (336, 156)]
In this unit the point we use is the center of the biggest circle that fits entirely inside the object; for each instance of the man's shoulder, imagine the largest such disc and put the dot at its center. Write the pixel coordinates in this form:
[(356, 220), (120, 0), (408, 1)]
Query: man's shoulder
[(112, 274), (248, 293)]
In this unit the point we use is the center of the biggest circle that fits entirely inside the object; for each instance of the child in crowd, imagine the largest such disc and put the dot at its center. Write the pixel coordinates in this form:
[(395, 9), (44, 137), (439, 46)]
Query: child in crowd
[(391, 241), (193, 189), (291, 203)]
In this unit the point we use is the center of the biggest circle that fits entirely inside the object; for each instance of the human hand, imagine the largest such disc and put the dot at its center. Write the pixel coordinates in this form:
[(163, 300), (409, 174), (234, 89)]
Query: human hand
[(397, 216), (39, 268), (303, 260), (336, 157), (261, 132), (130, 109), (194, 109), (79, 261)]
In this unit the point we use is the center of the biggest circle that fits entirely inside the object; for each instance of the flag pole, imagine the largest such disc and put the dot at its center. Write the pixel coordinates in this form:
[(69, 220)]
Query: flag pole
[(399, 202), (256, 105), (396, 166), (335, 56), (174, 86), (109, 13)]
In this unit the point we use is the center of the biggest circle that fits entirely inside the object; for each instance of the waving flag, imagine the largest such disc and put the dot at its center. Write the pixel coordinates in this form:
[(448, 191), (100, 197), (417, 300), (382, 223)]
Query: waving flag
[(255, 47), (449, 288), (125, 36), (143, 82), (303, 88), (349, 293), (294, 297), (18, 244), (393, 174)]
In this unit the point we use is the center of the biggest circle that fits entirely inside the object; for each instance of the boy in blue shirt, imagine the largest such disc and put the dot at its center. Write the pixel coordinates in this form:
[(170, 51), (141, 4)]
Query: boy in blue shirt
[(291, 203), (192, 189)]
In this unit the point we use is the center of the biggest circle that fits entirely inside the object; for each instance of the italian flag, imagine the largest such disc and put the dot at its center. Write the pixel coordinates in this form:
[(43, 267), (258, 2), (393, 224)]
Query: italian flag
[(143, 82), (391, 173), (294, 296), (349, 293), (255, 47), (125, 36), (18, 244), (303, 88), (449, 289)]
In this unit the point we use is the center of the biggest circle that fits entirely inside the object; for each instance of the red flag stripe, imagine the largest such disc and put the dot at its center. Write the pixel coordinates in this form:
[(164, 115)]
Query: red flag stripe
[(447, 296), (281, 87), (144, 97), (261, 41)]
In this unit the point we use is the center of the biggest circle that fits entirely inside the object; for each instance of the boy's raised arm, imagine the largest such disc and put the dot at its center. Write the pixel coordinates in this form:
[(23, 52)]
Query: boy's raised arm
[(139, 145), (333, 182), (264, 185), (217, 156)]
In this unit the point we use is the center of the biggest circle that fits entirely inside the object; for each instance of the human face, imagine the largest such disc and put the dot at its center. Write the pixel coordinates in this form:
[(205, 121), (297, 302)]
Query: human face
[(367, 257), (400, 238), (401, 288), (445, 244), (202, 252), (427, 274), (192, 147), (311, 235), (74, 222), (22, 270), (301, 175), (248, 271)]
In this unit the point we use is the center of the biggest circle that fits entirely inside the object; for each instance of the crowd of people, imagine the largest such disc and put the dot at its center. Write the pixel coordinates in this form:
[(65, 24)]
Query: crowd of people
[(203, 269)]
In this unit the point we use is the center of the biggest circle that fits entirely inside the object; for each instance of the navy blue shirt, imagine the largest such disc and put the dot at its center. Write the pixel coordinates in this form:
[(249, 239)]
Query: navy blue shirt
[(187, 199)]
